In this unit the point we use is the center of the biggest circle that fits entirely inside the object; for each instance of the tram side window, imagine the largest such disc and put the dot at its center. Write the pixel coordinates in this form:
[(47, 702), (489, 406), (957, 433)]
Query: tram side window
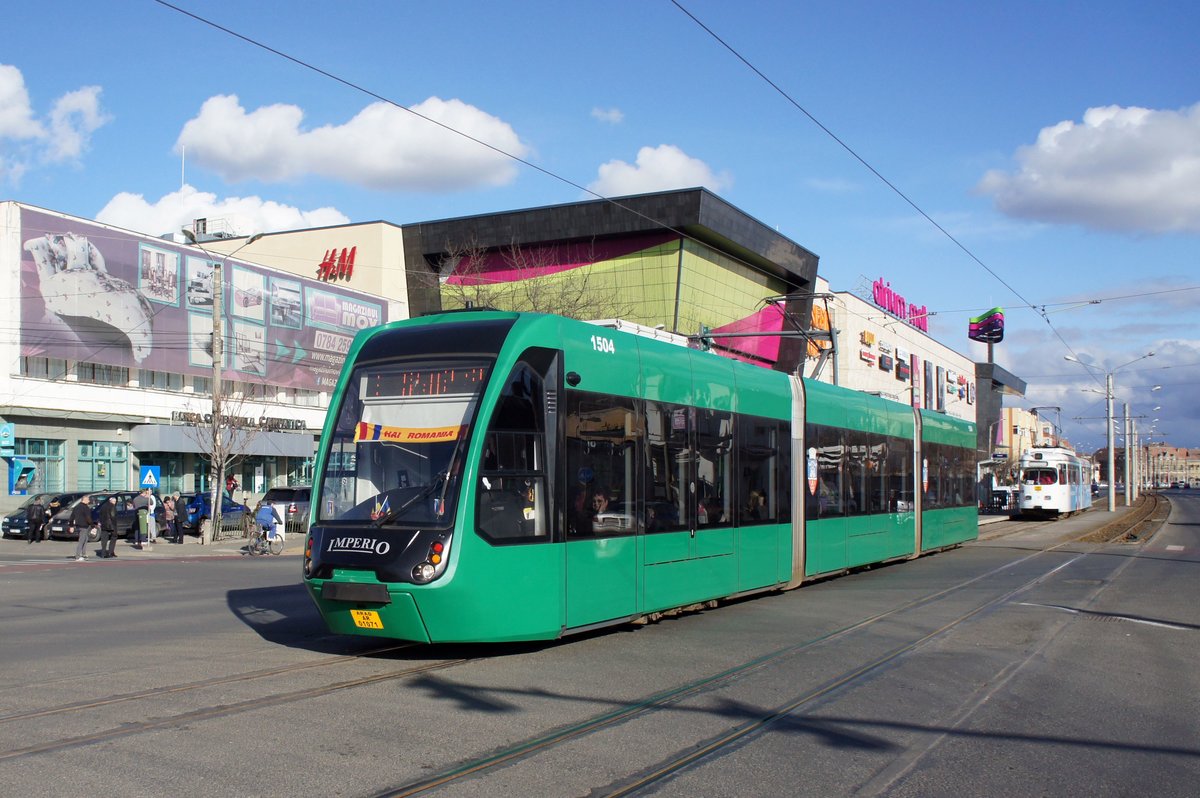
[(602, 442), (763, 451), (1040, 476), (667, 467), (825, 448), (855, 482), (935, 492), (512, 498), (951, 477), (866, 482), (714, 468), (898, 475)]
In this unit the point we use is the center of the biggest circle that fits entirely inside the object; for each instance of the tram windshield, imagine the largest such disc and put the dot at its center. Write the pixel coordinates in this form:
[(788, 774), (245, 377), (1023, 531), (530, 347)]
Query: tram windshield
[(395, 455), (1040, 476)]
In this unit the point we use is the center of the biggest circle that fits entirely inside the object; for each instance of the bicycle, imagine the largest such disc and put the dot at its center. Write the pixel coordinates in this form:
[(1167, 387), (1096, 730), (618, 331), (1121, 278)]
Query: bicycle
[(266, 541)]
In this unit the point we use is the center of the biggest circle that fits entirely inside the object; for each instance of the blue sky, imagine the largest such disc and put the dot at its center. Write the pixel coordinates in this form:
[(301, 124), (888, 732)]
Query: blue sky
[(1058, 142)]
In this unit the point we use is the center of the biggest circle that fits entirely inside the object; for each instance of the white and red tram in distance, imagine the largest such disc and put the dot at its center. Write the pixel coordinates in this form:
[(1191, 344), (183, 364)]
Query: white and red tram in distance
[(1055, 482)]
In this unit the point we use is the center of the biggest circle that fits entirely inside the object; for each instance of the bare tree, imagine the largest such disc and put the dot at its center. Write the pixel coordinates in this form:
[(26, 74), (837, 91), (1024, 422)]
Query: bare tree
[(530, 279), (223, 442)]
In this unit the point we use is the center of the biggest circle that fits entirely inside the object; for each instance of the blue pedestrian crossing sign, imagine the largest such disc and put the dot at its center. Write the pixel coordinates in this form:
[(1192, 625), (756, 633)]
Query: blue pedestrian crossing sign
[(150, 477)]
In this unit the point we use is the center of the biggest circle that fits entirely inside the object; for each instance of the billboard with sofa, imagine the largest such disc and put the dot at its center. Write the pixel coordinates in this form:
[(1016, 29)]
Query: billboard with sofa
[(97, 294)]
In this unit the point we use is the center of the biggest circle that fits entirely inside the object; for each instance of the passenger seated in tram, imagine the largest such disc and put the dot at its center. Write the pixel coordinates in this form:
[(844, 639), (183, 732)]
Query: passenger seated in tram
[(756, 505), (580, 517)]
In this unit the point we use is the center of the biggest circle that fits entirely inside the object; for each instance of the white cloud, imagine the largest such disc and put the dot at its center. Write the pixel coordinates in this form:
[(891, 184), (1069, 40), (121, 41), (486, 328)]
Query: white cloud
[(73, 120), (657, 169), (179, 208), (1124, 169), (16, 114), (382, 147), (612, 116)]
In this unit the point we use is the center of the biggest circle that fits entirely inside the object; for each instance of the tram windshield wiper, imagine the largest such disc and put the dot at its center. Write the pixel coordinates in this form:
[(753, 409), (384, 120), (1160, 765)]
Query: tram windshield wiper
[(424, 493)]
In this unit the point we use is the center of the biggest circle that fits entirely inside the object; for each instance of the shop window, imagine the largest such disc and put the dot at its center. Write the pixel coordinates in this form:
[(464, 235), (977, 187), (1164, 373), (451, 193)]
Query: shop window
[(47, 455), (103, 465)]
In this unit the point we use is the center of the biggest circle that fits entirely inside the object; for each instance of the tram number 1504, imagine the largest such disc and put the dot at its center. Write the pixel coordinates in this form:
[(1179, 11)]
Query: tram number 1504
[(602, 344)]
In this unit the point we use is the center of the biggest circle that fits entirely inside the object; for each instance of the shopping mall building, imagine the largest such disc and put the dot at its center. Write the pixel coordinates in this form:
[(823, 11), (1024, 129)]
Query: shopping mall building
[(110, 360)]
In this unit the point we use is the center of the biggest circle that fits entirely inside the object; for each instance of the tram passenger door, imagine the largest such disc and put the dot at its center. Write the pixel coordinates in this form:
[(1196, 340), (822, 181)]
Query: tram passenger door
[(602, 441)]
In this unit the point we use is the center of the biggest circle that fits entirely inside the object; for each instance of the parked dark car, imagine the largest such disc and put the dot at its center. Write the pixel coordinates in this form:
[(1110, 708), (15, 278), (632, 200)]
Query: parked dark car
[(58, 525), (293, 502), (199, 508), (15, 524)]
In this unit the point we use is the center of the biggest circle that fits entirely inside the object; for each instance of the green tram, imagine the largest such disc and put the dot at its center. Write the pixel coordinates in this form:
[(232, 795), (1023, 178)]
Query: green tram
[(490, 476)]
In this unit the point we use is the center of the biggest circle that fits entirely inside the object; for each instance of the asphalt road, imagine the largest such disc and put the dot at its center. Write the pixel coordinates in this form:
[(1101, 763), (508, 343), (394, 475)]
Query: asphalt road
[(1016, 665)]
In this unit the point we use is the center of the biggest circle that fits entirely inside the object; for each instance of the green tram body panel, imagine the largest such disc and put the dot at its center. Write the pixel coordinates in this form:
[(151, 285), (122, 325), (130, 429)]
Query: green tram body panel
[(531, 591)]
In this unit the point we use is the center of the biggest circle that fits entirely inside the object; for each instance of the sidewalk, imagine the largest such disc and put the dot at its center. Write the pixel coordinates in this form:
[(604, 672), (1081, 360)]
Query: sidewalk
[(18, 549)]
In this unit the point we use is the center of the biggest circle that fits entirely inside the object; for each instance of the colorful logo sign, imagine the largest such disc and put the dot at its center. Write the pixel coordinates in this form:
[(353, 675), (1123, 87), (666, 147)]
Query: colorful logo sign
[(988, 328), (898, 306), (337, 265)]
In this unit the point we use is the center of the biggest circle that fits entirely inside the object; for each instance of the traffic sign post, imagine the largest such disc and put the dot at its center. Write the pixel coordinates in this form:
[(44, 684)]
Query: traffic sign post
[(150, 477)]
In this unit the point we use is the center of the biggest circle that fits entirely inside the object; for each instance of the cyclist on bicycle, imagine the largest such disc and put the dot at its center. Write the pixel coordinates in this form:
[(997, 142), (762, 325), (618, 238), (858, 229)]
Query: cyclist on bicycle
[(268, 518)]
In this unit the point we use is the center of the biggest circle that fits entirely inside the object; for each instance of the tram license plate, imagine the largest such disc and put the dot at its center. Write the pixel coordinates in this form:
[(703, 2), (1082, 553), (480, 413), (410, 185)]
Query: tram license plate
[(366, 619)]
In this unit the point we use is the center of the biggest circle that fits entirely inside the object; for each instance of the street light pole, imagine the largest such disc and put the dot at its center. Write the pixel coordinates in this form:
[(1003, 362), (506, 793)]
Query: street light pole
[(1112, 474), (1108, 395), (1128, 462), (218, 361)]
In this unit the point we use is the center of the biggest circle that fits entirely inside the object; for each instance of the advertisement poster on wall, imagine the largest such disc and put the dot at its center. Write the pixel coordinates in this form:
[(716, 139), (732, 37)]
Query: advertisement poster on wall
[(96, 294)]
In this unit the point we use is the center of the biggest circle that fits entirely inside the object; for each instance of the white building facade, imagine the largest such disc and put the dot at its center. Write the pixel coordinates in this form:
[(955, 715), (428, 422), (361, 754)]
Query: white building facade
[(108, 368), (880, 352)]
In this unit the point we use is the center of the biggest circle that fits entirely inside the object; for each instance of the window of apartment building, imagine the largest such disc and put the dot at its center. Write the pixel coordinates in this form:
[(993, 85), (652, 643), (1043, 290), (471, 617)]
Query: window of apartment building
[(101, 374), (47, 455), (160, 380), (45, 368)]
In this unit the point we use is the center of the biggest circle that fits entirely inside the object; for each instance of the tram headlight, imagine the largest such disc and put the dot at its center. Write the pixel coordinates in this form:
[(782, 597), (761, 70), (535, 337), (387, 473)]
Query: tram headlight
[(424, 572)]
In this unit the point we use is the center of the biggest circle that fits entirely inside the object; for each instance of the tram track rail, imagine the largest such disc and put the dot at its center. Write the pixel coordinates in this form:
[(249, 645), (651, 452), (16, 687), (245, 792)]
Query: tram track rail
[(216, 710), (533, 746), (262, 673), (530, 747)]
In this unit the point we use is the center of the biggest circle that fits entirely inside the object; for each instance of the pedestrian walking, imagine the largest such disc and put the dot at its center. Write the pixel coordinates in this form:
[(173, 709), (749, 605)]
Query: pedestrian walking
[(141, 504), (169, 518), (108, 528), (152, 517), (35, 518), (81, 525), (180, 516)]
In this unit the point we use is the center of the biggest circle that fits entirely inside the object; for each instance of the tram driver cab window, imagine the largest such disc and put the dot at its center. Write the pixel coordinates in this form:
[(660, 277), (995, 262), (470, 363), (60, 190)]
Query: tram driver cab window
[(511, 497)]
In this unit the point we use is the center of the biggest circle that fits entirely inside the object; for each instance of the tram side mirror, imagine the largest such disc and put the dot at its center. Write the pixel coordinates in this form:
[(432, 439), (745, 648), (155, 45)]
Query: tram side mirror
[(573, 378)]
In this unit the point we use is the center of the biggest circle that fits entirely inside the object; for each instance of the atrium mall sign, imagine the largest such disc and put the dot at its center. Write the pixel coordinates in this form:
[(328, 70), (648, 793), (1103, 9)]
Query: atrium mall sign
[(883, 296)]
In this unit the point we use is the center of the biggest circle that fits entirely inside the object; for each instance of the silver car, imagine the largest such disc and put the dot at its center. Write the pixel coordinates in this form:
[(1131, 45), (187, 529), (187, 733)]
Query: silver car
[(293, 502)]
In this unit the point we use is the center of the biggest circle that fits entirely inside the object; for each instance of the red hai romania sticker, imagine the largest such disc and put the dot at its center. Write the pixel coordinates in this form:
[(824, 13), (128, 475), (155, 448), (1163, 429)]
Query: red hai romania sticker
[(379, 432)]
